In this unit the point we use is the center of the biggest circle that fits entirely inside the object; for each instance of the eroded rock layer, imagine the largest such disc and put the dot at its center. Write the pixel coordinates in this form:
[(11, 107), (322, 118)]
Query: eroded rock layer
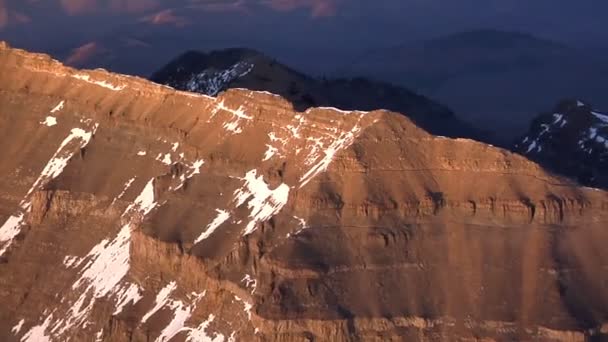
[(133, 212)]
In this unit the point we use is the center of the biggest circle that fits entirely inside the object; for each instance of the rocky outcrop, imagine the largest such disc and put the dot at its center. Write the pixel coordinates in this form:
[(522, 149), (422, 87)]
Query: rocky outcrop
[(571, 140), (134, 212)]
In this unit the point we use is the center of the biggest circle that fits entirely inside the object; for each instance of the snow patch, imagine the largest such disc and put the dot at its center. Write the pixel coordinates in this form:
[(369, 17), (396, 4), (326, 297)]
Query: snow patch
[(270, 152), (38, 333), (249, 282), (141, 153), (222, 216), (128, 294), (71, 261), (602, 117), (124, 190), (199, 334), (322, 162), (50, 121), (9, 230), (58, 107), (247, 306), (17, 328), (104, 84), (211, 82), (161, 300), (263, 202), (165, 159), (53, 168)]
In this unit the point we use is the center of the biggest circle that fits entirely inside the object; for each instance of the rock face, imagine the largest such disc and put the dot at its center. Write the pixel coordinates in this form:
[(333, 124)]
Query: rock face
[(133, 212), (220, 70), (572, 140)]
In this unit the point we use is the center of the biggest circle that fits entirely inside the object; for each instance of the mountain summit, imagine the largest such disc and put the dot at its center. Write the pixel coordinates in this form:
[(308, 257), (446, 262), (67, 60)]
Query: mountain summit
[(216, 71), (130, 211), (573, 140)]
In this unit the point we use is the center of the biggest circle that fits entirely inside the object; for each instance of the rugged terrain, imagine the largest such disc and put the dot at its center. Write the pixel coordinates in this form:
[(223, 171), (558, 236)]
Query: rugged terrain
[(134, 212), (572, 140), (216, 71)]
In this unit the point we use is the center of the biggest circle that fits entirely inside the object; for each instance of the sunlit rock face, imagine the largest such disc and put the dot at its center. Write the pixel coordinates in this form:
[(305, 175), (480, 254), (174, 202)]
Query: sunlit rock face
[(130, 211)]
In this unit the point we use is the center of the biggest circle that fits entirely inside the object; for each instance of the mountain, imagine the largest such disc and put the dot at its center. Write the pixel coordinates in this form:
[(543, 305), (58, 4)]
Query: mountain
[(573, 140), (493, 79), (130, 211), (216, 71)]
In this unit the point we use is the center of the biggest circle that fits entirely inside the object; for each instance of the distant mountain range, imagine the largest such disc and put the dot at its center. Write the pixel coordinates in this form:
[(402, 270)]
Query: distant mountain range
[(495, 79), (213, 72)]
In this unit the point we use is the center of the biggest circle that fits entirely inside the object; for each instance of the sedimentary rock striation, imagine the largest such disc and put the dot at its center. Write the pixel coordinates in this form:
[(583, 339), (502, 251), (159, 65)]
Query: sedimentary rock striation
[(130, 211)]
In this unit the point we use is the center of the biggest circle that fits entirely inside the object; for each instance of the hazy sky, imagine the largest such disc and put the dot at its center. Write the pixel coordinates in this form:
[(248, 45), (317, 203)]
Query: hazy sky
[(288, 27)]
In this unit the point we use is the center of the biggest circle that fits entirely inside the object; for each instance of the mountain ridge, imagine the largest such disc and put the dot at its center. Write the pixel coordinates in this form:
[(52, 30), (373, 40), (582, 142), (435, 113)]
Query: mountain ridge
[(212, 72), (129, 217)]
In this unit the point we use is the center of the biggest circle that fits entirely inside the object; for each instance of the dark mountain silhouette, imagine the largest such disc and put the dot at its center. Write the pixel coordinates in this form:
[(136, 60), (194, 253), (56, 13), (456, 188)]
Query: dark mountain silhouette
[(216, 71), (493, 79)]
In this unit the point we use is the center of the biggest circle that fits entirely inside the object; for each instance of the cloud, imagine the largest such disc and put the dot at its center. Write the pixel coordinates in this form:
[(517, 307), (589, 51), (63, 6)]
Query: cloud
[(318, 8), (166, 17), (81, 55), (10, 17)]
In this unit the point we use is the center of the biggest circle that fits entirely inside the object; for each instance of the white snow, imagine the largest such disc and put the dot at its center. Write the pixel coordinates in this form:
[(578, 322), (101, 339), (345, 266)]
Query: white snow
[(263, 202), (250, 282), (144, 203), (107, 265), (579, 103), (270, 152), (211, 82), (532, 146), (38, 333), (49, 121), (60, 159), (181, 313), (602, 117), (196, 167), (9, 230), (104, 84), (17, 328), (161, 300), (174, 147), (247, 306), (338, 110), (199, 334), (129, 294), (222, 216), (71, 261), (124, 190), (164, 158), (141, 153), (53, 168), (99, 336), (58, 107), (557, 118), (238, 115), (344, 140)]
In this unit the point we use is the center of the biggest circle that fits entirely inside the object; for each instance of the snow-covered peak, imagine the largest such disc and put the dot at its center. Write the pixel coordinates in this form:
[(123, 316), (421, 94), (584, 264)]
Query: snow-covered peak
[(212, 81)]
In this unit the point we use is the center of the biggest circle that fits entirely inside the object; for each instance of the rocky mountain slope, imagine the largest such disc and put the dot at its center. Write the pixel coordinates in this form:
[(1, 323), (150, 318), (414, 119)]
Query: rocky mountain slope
[(211, 73), (573, 140), (130, 211), (494, 79)]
